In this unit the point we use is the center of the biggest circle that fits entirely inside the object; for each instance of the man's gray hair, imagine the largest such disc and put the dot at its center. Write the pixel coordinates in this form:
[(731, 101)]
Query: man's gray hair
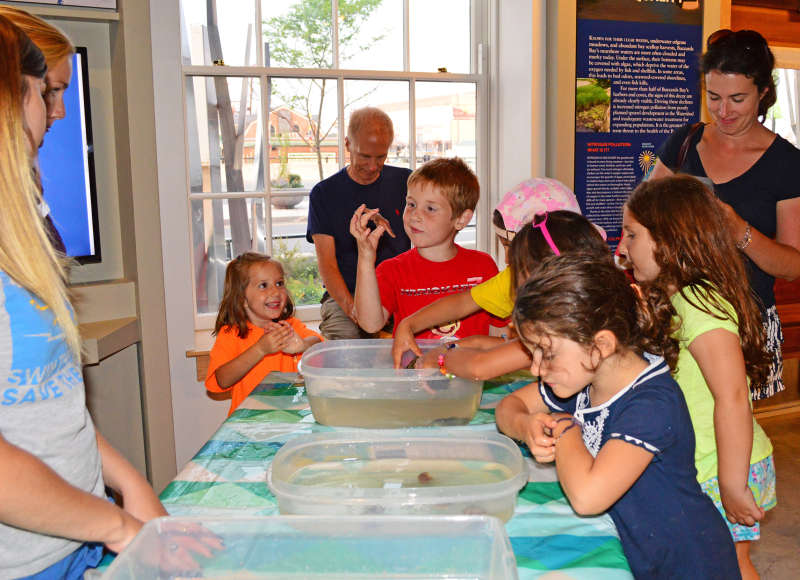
[(369, 117)]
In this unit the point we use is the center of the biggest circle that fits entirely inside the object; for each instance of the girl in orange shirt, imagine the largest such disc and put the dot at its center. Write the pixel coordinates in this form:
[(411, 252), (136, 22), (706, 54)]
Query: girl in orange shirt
[(256, 332)]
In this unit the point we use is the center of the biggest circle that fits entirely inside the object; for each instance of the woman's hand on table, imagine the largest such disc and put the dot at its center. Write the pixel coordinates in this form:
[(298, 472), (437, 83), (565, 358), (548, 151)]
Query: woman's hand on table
[(183, 543)]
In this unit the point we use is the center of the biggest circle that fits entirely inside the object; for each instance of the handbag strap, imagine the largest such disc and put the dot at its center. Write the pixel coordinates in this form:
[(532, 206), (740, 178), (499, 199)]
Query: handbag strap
[(685, 145)]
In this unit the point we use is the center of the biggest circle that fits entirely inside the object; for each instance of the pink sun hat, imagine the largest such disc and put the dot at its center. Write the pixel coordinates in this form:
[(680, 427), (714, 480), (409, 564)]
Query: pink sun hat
[(531, 197)]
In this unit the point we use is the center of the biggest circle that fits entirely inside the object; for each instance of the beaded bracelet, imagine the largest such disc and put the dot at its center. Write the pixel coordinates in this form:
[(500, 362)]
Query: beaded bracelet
[(748, 237), (442, 368)]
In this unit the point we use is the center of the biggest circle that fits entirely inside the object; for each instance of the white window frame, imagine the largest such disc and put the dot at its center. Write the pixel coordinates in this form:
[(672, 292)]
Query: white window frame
[(787, 57), (481, 23)]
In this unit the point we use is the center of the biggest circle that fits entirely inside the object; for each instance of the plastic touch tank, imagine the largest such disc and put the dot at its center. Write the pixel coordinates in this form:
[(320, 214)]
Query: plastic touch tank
[(352, 383), (419, 471), (301, 547)]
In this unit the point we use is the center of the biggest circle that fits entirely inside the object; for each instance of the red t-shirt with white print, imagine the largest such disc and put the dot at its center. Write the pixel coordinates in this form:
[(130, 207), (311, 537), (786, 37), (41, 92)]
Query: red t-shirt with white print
[(408, 282)]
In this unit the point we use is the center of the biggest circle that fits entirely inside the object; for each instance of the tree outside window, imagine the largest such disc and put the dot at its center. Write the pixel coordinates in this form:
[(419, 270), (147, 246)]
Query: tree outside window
[(250, 173)]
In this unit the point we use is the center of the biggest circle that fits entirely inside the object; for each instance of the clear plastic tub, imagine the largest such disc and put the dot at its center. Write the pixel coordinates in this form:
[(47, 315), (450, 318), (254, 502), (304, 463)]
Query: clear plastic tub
[(398, 472), (352, 383), (298, 547)]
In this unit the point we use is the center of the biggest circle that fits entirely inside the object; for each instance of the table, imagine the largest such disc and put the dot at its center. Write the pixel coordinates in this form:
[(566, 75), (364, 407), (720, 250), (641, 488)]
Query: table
[(227, 477)]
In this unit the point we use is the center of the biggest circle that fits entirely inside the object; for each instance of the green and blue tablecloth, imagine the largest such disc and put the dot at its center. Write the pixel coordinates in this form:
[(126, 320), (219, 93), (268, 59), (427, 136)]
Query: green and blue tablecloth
[(228, 477)]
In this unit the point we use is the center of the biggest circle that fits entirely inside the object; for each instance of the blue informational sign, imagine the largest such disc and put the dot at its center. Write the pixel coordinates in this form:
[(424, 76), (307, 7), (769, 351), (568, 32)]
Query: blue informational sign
[(636, 81), (66, 161)]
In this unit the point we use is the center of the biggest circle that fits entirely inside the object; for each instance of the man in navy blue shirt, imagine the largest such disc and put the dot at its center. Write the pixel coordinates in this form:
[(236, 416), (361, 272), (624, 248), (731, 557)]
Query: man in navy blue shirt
[(334, 200)]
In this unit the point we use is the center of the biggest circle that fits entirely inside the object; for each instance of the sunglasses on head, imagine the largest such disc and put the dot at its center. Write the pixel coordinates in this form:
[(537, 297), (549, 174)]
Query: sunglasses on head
[(718, 35), (748, 39)]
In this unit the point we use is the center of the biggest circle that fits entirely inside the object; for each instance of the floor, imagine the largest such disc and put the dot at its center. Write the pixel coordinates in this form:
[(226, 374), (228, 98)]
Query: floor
[(777, 554)]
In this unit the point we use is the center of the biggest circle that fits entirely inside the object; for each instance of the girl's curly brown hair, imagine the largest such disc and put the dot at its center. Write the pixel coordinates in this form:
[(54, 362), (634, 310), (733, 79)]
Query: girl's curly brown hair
[(231, 308), (576, 295), (694, 249)]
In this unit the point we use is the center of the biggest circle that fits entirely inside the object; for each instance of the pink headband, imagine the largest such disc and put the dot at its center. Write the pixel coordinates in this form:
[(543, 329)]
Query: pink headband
[(542, 226)]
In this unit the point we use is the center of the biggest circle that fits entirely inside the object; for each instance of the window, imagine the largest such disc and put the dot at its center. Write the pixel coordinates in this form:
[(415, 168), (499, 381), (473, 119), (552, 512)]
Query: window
[(784, 116), (269, 88)]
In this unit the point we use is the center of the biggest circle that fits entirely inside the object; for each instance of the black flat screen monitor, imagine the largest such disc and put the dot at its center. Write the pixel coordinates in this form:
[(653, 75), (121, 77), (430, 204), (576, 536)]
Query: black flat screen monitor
[(66, 160)]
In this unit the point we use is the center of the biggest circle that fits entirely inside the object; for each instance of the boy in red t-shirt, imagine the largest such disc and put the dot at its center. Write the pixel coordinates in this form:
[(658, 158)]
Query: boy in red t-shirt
[(442, 195)]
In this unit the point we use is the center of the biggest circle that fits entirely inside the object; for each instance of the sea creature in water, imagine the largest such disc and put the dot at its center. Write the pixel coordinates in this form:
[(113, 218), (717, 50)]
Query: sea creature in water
[(449, 421)]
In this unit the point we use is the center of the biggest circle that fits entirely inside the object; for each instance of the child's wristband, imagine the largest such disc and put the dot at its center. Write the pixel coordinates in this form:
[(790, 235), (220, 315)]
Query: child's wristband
[(573, 423)]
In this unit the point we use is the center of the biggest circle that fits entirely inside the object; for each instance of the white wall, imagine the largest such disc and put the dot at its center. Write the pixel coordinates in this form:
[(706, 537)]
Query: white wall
[(517, 150), (195, 416), (512, 97)]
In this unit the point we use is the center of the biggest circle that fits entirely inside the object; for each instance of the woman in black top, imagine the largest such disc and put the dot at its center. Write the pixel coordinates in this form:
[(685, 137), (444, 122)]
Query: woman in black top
[(752, 170)]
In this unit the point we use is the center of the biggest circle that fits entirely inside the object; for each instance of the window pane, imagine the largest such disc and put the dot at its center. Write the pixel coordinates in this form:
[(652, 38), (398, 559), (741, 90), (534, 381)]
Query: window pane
[(297, 33), (298, 257), (466, 238), (232, 39), (439, 35), (389, 96), (303, 133), (446, 128), (446, 121), (224, 133), (221, 230), (371, 34), (784, 116), (304, 149)]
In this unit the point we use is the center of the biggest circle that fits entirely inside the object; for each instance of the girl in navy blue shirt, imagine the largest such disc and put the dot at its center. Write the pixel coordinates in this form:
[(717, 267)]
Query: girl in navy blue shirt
[(613, 418)]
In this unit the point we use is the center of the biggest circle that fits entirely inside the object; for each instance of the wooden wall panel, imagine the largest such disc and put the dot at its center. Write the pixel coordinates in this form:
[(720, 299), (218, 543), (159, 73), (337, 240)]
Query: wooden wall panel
[(781, 27)]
